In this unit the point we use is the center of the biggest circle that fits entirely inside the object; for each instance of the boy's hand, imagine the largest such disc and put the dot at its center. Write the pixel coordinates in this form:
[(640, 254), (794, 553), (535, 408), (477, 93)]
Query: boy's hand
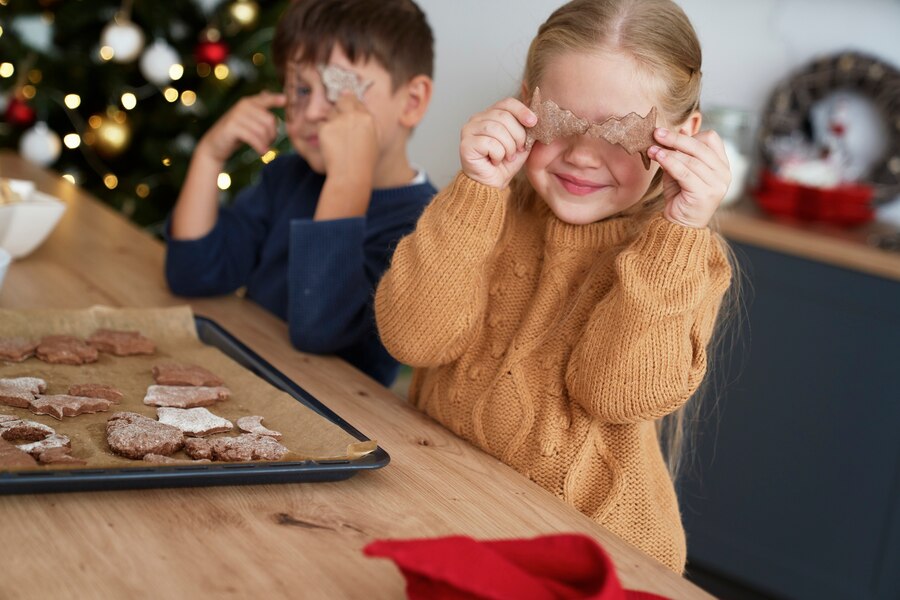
[(349, 142), (696, 175), (250, 122), (492, 143)]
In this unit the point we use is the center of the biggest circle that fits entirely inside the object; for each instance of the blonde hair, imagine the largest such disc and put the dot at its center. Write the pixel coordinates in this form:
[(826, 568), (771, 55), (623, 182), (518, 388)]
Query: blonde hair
[(659, 37)]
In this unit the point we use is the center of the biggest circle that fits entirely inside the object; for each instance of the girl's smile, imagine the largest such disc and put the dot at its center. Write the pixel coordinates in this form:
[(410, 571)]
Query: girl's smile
[(577, 186)]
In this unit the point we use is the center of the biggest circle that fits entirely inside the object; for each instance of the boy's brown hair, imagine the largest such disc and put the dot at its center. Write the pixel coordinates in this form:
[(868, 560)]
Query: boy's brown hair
[(394, 32)]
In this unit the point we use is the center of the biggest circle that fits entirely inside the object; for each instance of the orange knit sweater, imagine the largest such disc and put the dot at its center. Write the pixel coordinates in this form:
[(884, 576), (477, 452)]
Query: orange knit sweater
[(554, 347)]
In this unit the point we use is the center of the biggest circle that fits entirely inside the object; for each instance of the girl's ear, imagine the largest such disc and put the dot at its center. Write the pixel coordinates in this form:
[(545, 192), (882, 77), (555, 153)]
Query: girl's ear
[(691, 127), (418, 96)]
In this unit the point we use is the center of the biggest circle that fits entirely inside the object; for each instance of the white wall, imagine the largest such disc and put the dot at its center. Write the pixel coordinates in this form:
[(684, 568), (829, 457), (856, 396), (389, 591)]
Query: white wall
[(748, 47)]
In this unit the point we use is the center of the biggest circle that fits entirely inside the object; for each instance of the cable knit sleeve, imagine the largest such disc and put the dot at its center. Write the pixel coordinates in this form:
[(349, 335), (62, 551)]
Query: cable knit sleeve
[(643, 352), (430, 302)]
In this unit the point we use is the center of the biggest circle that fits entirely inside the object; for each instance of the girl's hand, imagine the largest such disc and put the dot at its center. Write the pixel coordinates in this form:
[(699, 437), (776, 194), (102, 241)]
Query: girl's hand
[(696, 175), (250, 122), (492, 143)]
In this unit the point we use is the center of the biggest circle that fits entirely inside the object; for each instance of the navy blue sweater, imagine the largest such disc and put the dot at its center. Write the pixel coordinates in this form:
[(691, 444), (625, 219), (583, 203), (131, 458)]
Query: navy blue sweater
[(320, 276)]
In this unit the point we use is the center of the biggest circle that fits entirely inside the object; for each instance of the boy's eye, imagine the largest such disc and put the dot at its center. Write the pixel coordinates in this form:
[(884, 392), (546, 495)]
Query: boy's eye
[(300, 100)]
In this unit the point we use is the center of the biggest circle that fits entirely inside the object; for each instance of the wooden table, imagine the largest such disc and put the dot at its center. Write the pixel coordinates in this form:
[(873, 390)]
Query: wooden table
[(266, 541)]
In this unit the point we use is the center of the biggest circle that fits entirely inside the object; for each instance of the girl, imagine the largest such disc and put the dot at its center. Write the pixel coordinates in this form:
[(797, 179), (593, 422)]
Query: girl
[(554, 317)]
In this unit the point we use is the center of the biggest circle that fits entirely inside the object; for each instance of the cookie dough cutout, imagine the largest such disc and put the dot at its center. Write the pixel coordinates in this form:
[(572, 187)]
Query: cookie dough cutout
[(184, 374), (337, 79), (253, 424), (632, 132), (17, 349), (243, 448), (18, 392), (64, 405), (194, 422), (179, 396), (134, 436), (66, 350), (97, 390), (121, 343)]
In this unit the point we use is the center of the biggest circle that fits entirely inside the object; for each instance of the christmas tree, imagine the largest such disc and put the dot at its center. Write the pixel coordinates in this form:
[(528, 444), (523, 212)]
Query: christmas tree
[(115, 94)]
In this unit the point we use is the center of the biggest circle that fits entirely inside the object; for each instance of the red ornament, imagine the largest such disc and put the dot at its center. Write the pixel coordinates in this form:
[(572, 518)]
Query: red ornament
[(18, 113), (212, 53)]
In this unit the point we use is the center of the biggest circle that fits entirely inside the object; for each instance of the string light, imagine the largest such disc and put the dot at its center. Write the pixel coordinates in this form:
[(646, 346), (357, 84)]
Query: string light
[(171, 94), (258, 59), (35, 76), (72, 101), (188, 97), (28, 91), (69, 177), (142, 190), (72, 140), (223, 181), (176, 71), (203, 70), (268, 156), (7, 69), (106, 53), (166, 161), (129, 100), (221, 72), (95, 121), (110, 181)]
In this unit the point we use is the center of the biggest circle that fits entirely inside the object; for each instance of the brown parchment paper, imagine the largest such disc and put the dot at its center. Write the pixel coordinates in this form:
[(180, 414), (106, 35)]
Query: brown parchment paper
[(306, 434)]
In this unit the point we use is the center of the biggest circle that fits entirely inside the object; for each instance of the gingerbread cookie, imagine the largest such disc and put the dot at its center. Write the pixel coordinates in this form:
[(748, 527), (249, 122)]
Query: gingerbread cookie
[(134, 436), (195, 422), (121, 343), (182, 374), (178, 396), (65, 350)]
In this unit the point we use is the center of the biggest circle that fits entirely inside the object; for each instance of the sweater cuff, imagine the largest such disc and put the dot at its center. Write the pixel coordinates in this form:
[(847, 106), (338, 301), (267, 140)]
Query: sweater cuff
[(474, 205), (672, 249)]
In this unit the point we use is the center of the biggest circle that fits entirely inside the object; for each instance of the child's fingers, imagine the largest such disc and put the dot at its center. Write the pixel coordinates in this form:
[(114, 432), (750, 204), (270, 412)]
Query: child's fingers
[(693, 164), (498, 131), (348, 102), (517, 109), (678, 169), (255, 138), (714, 141), (689, 145), (267, 99), (491, 148)]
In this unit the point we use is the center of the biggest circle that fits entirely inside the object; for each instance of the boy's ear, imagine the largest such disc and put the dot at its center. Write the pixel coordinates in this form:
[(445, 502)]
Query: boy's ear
[(418, 97), (692, 126)]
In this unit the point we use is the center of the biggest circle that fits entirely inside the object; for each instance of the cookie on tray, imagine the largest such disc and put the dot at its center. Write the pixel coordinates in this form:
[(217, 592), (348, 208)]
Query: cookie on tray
[(134, 436), (121, 343), (18, 392), (65, 350), (195, 422), (65, 405), (179, 396), (184, 374), (96, 390), (17, 349)]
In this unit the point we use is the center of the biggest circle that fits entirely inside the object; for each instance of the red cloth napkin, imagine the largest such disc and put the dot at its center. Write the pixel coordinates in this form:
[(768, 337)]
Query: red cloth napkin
[(551, 567)]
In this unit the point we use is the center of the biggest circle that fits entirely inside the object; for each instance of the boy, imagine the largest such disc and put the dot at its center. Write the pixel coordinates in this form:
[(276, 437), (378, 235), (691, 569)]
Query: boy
[(311, 239)]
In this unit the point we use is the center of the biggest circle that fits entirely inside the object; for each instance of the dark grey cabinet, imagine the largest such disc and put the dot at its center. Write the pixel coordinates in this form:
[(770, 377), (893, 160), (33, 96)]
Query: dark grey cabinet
[(795, 489)]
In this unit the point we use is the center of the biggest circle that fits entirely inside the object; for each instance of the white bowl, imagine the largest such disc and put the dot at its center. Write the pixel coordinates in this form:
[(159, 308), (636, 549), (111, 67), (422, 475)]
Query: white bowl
[(5, 259), (25, 225)]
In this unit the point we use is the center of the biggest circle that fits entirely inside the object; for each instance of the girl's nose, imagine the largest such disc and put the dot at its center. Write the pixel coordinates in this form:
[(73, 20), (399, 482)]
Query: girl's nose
[(582, 151)]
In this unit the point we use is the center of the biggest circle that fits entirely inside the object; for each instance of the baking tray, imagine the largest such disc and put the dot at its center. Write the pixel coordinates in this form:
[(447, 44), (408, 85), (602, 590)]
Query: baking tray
[(211, 333)]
